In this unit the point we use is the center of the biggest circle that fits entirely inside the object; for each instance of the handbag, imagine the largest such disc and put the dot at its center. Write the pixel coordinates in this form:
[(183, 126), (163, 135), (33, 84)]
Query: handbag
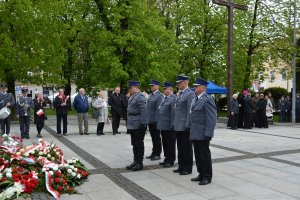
[(96, 113)]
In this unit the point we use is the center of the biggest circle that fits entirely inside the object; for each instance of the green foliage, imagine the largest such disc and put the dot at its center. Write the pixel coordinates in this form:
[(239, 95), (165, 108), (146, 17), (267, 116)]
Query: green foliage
[(102, 43), (276, 92)]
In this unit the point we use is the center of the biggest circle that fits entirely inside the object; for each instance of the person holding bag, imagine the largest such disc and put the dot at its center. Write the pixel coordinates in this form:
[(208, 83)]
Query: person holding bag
[(39, 113), (100, 112), (62, 104)]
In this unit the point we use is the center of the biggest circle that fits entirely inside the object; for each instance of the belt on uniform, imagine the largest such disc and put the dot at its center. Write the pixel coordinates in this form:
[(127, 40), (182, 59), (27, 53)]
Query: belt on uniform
[(133, 114)]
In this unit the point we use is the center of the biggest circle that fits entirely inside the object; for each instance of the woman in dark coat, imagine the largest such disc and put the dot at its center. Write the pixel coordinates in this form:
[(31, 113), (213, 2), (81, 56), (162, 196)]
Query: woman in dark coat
[(39, 113)]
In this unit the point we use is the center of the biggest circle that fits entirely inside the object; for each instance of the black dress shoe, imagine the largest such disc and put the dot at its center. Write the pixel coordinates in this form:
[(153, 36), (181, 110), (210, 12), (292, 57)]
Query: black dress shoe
[(155, 158), (177, 170), (162, 163), (80, 133), (184, 173), (168, 165), (137, 167), (131, 165), (198, 178), (86, 133), (27, 137), (150, 156), (102, 134), (204, 182)]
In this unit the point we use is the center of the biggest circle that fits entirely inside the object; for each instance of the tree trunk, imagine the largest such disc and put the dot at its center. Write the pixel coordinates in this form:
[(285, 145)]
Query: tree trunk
[(251, 47), (10, 80)]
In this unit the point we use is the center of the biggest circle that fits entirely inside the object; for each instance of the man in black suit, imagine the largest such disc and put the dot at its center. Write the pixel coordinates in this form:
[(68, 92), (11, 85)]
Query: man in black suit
[(115, 101)]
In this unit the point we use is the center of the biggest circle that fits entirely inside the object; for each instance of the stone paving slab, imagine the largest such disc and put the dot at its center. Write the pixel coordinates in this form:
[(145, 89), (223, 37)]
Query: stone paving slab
[(255, 143), (99, 187), (248, 164), (290, 157)]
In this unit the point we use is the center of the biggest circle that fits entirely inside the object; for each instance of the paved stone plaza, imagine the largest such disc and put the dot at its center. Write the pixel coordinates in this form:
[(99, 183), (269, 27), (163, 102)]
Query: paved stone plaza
[(247, 164)]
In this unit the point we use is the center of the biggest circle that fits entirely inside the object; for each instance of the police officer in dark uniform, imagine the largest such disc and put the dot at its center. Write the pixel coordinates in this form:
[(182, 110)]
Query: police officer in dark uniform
[(165, 119), (203, 122), (24, 106), (6, 100), (181, 126), (153, 102), (136, 124)]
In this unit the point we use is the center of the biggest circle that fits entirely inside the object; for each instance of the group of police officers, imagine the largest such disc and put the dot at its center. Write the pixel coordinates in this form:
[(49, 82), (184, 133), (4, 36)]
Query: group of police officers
[(188, 117), (23, 104)]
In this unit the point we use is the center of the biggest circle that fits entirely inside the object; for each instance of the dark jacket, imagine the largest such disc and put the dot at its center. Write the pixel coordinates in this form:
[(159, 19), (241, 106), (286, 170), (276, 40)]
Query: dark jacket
[(81, 104), (281, 104), (261, 106), (248, 106), (234, 106), (37, 106), (288, 105), (115, 101), (61, 110)]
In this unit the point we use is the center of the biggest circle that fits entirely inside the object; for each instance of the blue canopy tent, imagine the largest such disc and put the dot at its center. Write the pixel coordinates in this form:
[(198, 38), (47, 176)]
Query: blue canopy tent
[(215, 89)]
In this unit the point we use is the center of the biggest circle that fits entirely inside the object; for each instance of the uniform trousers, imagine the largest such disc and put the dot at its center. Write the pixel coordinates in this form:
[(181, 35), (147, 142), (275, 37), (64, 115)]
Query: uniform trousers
[(137, 142), (203, 158), (185, 151), (24, 125), (5, 125), (63, 117), (156, 139), (116, 117), (168, 141)]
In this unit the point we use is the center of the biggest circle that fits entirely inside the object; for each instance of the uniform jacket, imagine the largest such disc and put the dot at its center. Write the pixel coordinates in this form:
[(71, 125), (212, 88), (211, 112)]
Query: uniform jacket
[(233, 106), (153, 102), (21, 109), (101, 105), (182, 109), (80, 104), (166, 113), (136, 115), (203, 117), (61, 110), (248, 105), (116, 103), (7, 98)]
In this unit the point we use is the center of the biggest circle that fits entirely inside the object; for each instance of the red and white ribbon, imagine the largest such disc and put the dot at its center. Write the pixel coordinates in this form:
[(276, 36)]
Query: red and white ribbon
[(48, 179)]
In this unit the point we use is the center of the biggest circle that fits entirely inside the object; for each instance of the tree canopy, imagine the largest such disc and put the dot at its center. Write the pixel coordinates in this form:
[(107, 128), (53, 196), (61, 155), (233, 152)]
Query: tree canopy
[(103, 43)]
